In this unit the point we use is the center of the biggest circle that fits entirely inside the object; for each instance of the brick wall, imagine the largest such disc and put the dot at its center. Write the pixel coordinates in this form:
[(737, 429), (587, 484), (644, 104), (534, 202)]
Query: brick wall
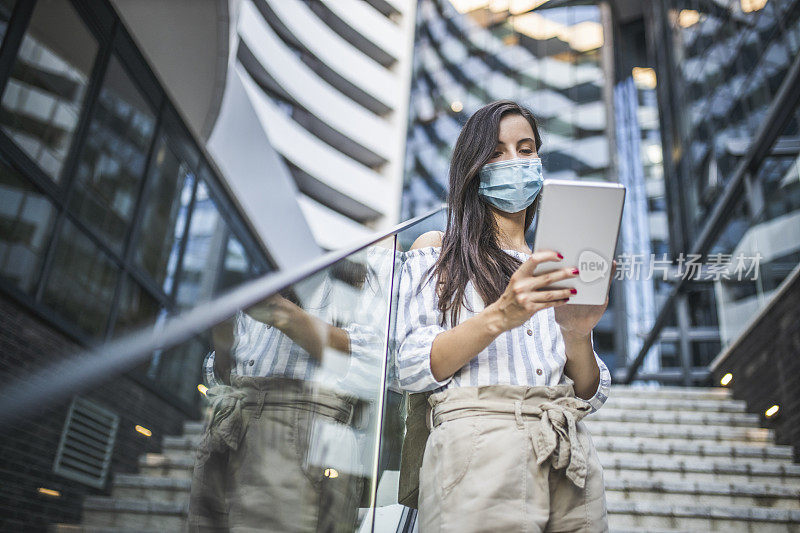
[(28, 449)]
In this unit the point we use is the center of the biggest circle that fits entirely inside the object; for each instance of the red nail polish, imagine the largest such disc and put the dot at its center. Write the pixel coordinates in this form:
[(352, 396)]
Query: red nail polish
[(559, 255), (574, 291), (574, 270)]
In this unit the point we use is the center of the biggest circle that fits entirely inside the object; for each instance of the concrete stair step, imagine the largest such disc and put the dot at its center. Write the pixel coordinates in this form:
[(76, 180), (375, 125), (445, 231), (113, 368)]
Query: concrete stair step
[(182, 443), (716, 494), (665, 469), (160, 465), (151, 488), (674, 404), (670, 393), (627, 447), (78, 528), (194, 427), (134, 513), (691, 418), (650, 516), (677, 432)]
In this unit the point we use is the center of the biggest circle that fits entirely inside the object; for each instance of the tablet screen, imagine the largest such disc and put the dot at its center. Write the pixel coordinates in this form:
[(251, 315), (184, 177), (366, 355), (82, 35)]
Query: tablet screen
[(581, 220)]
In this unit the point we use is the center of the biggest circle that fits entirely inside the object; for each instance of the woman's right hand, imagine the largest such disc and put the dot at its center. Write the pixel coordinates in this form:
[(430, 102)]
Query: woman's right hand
[(524, 295)]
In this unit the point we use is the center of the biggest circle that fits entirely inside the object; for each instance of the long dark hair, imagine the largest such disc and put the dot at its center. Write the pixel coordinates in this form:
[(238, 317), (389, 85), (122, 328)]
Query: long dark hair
[(470, 250)]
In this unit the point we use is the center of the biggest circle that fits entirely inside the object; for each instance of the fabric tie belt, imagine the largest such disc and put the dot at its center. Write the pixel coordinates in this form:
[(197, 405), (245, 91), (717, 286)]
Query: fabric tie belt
[(232, 407), (555, 437)]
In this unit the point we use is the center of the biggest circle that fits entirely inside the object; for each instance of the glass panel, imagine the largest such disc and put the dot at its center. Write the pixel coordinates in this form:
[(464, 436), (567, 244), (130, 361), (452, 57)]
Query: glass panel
[(179, 370), (113, 159), (204, 245), (307, 366), (6, 7), (25, 224), (42, 101), (169, 192), (137, 307), (82, 281), (237, 265)]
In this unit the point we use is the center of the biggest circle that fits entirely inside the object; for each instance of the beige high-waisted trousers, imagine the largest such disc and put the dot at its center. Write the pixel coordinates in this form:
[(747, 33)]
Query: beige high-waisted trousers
[(510, 458)]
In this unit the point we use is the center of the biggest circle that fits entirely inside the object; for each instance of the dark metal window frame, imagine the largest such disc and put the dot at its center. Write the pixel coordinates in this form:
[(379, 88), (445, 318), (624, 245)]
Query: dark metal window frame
[(113, 41)]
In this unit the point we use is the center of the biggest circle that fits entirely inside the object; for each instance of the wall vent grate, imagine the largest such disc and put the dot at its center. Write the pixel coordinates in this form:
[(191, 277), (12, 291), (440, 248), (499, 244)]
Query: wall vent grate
[(87, 443)]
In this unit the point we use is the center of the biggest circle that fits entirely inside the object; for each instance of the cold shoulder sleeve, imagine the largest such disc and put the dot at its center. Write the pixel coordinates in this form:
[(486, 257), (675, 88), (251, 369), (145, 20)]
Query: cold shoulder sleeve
[(417, 322)]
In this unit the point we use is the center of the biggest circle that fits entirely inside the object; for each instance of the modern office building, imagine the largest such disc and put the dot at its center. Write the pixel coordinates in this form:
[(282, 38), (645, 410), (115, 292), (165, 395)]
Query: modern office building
[(718, 72), (153, 155)]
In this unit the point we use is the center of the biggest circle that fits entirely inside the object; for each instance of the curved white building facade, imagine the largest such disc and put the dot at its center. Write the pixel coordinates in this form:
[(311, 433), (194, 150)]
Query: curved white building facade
[(305, 111), (329, 84)]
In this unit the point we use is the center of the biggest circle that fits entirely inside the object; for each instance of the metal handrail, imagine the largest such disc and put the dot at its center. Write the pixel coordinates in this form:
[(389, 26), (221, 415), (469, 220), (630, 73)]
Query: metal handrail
[(86, 368)]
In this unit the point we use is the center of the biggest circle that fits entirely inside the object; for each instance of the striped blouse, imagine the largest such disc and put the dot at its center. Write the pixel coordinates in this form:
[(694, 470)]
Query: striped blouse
[(531, 354)]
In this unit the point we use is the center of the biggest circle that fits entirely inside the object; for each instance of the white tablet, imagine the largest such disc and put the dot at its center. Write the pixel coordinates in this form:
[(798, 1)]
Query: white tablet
[(580, 219)]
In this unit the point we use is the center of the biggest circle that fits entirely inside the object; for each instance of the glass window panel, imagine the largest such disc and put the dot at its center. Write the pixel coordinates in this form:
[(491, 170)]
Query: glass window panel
[(6, 7), (236, 267), (163, 219), (179, 369), (204, 248), (81, 284), (137, 307), (42, 101), (113, 159), (25, 225)]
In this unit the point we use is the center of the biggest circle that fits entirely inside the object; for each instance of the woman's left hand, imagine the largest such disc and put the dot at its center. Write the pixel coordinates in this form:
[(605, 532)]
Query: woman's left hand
[(579, 320)]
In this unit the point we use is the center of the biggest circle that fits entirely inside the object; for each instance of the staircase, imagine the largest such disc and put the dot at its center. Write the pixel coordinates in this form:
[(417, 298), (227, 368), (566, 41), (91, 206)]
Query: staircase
[(692, 459), (155, 500), (675, 459)]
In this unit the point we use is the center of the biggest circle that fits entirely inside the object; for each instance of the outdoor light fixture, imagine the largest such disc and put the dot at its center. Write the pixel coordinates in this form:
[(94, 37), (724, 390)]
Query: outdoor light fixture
[(688, 18), (753, 5), (457, 106), (726, 379), (644, 77), (772, 411), (143, 430), (202, 389), (49, 492), (331, 473)]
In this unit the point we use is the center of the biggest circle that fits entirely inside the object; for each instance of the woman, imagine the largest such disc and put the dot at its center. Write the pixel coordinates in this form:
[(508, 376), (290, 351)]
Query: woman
[(511, 368)]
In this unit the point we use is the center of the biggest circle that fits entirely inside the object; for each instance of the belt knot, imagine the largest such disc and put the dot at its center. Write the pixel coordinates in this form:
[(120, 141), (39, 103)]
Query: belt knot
[(556, 437)]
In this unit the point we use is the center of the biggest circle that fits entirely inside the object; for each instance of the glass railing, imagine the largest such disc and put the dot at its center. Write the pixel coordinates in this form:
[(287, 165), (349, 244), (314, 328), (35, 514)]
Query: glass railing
[(274, 407)]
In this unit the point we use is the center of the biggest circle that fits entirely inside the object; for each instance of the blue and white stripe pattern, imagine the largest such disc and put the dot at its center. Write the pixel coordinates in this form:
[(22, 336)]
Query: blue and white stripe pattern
[(531, 354)]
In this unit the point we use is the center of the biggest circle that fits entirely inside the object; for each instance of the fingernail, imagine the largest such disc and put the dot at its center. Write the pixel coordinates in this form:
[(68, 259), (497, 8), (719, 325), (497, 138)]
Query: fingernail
[(574, 291), (559, 255), (574, 270)]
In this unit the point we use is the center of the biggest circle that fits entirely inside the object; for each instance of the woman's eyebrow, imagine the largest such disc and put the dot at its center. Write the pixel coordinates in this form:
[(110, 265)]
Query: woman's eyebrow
[(526, 139)]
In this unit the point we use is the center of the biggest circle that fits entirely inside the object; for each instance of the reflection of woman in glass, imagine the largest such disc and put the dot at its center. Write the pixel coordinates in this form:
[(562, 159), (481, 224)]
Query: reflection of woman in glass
[(510, 368), (280, 452)]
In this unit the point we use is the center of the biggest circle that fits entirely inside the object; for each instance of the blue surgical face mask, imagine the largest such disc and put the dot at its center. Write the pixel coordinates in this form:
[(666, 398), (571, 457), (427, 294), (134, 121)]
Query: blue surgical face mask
[(511, 185)]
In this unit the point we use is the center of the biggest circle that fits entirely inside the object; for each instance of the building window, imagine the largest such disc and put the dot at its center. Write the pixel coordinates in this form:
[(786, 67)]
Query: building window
[(113, 159), (82, 281), (204, 248), (137, 307), (42, 100), (167, 200), (25, 224), (6, 7)]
